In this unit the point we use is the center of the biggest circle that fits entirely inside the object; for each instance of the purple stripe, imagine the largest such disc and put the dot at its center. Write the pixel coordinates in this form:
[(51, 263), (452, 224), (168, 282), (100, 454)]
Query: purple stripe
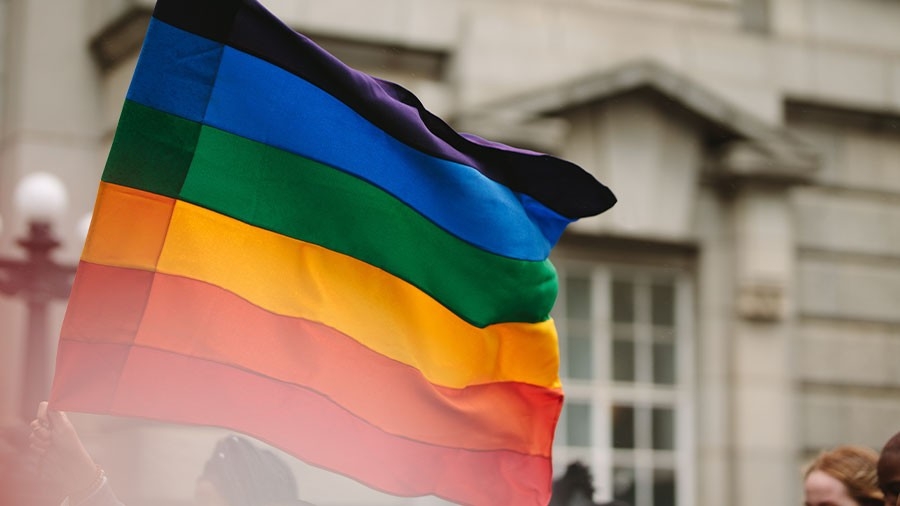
[(557, 184)]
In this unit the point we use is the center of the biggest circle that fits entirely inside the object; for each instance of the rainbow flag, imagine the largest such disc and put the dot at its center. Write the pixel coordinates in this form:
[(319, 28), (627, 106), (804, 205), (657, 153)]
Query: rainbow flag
[(292, 249)]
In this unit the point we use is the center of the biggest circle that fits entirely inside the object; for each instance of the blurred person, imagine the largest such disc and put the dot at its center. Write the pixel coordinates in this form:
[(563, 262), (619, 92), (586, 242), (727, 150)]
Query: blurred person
[(237, 474), (576, 488), (843, 476), (889, 471), (243, 475)]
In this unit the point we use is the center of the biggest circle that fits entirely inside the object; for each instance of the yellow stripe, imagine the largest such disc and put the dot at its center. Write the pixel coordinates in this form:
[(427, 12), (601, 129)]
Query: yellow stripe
[(298, 279)]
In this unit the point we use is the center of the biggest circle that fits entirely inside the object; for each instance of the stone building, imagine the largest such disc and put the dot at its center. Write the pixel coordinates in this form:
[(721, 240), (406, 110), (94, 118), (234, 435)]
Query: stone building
[(736, 312)]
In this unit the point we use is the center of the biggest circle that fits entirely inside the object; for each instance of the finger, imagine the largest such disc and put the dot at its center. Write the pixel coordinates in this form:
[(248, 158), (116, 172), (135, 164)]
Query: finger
[(41, 429), (37, 439), (42, 413), (39, 442), (41, 436)]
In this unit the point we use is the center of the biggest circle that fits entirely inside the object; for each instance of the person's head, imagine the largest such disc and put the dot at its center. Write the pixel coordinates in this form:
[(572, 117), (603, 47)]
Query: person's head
[(889, 471), (240, 474), (843, 476)]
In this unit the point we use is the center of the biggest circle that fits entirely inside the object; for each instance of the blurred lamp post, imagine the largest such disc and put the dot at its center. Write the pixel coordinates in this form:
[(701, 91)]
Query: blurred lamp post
[(37, 279)]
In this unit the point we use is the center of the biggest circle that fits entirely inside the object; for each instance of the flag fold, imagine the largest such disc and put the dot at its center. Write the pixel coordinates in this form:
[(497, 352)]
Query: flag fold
[(289, 248)]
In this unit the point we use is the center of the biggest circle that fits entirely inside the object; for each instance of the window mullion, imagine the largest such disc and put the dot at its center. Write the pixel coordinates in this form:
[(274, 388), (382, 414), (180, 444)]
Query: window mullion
[(685, 479), (602, 461)]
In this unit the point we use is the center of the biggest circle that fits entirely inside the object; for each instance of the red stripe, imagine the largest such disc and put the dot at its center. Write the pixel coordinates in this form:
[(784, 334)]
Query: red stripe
[(172, 387), (106, 304), (197, 319)]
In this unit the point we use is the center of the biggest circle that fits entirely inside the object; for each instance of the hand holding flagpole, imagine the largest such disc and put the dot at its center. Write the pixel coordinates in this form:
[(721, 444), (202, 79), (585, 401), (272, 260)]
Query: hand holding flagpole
[(61, 457)]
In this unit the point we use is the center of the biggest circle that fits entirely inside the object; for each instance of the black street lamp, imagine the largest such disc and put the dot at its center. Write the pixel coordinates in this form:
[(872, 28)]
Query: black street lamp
[(38, 280)]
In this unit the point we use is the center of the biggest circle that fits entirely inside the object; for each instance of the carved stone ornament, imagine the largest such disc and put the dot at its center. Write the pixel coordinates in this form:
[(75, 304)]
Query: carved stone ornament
[(762, 302)]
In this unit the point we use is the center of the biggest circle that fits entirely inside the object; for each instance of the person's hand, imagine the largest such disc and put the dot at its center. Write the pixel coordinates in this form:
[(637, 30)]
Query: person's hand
[(61, 456)]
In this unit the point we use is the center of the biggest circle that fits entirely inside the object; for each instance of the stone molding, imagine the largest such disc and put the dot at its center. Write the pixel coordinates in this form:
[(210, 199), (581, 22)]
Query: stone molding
[(761, 161), (122, 35), (761, 302), (750, 147)]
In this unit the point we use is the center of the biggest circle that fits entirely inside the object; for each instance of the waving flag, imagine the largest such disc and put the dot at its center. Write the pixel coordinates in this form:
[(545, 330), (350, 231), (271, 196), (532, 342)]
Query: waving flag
[(292, 249)]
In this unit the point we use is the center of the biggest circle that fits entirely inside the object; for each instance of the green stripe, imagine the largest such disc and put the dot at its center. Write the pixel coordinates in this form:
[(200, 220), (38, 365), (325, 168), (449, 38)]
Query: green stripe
[(151, 151), (303, 199)]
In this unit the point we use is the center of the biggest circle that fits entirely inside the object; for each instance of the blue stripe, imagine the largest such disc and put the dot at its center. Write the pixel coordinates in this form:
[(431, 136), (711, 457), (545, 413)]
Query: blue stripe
[(176, 71), (256, 100)]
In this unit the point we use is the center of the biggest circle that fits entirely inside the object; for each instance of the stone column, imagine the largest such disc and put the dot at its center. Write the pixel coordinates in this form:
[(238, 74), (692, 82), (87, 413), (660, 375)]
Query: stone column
[(762, 400), (715, 296), (764, 442)]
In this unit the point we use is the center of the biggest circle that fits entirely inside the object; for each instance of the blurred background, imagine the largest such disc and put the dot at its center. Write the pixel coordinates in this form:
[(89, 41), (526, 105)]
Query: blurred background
[(736, 312)]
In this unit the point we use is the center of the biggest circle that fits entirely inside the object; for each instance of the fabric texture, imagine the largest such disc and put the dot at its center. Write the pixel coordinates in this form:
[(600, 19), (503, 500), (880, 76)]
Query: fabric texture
[(292, 249)]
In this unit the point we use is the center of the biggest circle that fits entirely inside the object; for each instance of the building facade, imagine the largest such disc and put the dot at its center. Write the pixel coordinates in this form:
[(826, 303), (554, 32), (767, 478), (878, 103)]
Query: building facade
[(735, 313)]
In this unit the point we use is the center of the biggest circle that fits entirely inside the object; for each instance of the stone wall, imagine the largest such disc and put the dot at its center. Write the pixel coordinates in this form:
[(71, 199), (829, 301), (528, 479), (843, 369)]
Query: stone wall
[(849, 272)]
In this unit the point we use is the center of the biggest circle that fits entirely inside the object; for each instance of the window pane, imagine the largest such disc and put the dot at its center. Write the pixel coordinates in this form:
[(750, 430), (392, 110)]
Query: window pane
[(622, 301), (663, 302), (623, 360), (663, 487), (578, 424), (578, 298), (663, 429), (623, 427), (624, 485), (558, 435), (664, 363), (578, 355)]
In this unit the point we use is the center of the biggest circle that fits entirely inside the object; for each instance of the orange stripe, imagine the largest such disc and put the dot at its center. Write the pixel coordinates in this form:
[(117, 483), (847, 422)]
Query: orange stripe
[(129, 227)]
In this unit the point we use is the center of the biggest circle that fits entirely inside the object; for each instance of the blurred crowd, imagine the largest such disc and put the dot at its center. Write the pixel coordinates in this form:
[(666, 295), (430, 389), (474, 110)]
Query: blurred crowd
[(47, 464)]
